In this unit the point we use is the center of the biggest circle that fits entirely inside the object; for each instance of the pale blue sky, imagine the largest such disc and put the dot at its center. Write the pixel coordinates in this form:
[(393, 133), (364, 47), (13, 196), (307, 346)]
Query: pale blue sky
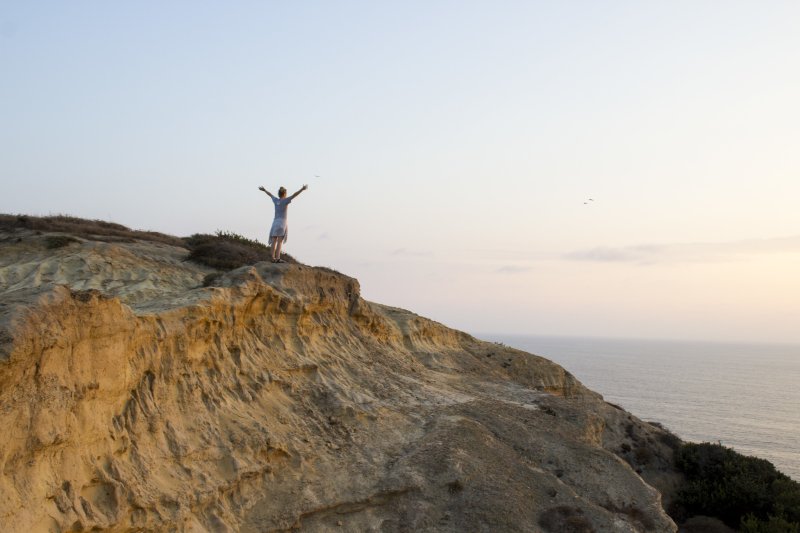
[(456, 143)]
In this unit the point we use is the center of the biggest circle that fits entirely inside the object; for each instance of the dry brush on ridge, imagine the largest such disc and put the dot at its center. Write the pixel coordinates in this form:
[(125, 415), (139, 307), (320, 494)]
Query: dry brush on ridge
[(141, 391)]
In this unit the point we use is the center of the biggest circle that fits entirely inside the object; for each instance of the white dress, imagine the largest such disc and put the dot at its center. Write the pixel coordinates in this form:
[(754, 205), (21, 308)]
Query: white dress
[(280, 226)]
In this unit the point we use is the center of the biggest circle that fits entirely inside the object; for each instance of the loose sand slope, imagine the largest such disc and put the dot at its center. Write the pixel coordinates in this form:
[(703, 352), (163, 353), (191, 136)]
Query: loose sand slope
[(133, 398)]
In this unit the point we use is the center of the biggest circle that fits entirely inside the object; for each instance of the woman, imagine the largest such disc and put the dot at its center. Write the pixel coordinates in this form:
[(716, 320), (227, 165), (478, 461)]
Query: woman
[(279, 233)]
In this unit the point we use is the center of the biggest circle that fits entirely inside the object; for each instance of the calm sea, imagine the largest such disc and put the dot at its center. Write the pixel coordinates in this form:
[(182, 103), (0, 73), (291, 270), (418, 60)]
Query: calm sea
[(745, 395)]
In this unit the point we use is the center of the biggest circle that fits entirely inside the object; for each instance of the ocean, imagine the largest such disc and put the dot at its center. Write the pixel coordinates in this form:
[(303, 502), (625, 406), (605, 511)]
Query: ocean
[(746, 396)]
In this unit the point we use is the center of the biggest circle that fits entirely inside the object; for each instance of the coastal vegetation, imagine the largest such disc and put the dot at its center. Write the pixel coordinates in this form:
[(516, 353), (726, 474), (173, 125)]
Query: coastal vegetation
[(227, 250), (745, 492), (84, 228), (224, 250)]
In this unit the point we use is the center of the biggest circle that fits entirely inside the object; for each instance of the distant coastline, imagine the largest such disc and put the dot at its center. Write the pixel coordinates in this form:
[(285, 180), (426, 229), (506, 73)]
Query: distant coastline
[(701, 390)]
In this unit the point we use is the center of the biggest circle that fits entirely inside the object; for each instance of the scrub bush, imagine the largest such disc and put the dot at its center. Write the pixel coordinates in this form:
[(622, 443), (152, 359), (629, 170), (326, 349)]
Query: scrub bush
[(744, 492)]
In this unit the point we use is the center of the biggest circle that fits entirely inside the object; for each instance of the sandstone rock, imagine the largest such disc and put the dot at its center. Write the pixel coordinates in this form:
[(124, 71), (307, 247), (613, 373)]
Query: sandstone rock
[(133, 398)]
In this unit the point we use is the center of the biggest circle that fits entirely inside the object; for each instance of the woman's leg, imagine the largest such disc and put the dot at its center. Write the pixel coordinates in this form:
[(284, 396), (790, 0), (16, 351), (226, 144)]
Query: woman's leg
[(274, 242), (279, 242)]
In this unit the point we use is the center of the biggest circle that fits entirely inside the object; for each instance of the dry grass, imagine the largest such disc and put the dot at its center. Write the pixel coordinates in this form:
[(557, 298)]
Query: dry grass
[(54, 242), (223, 251), (98, 230)]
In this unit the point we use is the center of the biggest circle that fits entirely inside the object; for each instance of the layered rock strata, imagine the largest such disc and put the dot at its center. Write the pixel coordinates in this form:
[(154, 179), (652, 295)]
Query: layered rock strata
[(133, 398)]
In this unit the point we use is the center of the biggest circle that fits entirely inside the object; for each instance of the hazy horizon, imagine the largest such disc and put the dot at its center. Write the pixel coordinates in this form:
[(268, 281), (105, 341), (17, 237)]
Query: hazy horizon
[(506, 337), (457, 146)]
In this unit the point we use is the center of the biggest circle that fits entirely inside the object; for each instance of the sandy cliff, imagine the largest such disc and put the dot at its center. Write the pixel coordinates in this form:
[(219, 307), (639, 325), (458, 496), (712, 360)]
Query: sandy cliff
[(134, 398)]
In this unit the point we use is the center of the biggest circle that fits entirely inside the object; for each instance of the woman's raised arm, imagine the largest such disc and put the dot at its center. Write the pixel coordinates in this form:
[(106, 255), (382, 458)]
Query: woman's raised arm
[(266, 191), (304, 187)]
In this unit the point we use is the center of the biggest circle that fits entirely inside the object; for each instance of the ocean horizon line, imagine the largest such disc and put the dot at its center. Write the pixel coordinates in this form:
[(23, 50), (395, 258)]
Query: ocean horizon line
[(491, 336)]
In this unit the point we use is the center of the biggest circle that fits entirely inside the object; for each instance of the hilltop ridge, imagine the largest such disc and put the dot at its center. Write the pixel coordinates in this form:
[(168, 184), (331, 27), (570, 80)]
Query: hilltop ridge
[(142, 391)]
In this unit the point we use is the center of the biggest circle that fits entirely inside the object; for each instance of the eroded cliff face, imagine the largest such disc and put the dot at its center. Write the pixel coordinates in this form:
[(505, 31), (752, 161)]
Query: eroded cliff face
[(133, 398)]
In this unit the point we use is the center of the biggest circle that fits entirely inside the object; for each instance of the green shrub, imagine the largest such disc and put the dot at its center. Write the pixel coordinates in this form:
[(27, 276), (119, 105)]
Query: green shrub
[(751, 524), (52, 242), (670, 439), (241, 239), (735, 488), (227, 250)]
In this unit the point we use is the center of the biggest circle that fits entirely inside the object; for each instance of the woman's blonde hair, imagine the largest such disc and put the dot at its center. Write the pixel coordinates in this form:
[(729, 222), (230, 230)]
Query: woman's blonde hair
[(282, 192)]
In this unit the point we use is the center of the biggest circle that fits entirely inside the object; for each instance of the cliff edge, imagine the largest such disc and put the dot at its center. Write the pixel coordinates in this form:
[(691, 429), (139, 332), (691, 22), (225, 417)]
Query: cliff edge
[(140, 391)]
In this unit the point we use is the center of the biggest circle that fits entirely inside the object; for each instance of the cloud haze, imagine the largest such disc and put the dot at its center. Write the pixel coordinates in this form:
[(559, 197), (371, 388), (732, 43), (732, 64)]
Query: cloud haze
[(513, 269), (647, 254)]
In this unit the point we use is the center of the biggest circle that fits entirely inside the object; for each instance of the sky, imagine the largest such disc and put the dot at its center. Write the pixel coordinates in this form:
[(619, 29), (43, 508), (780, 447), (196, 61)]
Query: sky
[(450, 148)]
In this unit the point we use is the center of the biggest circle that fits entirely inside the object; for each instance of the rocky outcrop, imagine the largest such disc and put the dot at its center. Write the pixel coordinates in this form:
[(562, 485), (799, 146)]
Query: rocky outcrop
[(134, 398)]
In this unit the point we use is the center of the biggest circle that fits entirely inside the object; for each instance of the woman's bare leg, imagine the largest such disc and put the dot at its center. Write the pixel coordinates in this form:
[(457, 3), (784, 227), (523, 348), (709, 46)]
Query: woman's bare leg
[(275, 248), (279, 242)]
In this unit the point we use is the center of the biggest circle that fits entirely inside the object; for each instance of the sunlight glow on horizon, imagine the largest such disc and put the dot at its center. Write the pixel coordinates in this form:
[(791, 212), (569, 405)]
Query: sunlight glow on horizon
[(456, 144)]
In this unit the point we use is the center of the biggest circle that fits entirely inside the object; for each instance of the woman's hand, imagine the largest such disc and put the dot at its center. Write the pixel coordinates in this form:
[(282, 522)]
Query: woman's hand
[(304, 187), (262, 189)]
